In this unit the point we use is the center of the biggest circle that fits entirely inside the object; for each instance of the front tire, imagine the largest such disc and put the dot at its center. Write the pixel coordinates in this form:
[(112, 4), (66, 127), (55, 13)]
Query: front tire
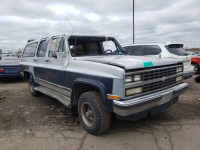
[(31, 87), (94, 118)]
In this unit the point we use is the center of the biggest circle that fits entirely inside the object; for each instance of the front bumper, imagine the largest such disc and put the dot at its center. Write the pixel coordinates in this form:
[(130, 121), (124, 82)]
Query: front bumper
[(140, 104)]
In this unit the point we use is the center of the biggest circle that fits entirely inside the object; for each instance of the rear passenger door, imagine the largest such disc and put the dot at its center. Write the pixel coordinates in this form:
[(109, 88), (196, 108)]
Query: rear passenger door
[(39, 61), (52, 72)]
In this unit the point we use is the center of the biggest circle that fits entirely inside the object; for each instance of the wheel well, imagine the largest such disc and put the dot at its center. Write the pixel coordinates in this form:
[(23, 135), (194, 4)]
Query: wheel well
[(26, 75), (79, 89), (194, 63)]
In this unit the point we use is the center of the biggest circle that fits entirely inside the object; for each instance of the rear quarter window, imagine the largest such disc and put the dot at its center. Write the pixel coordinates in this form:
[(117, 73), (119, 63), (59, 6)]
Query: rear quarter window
[(176, 49), (30, 50)]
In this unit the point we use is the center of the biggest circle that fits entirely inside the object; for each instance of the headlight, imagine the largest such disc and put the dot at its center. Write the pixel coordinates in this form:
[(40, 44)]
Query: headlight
[(179, 69), (137, 77), (179, 78), (128, 79), (133, 91), (133, 78)]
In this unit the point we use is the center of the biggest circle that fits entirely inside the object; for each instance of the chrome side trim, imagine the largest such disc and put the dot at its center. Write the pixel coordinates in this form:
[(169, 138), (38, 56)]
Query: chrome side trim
[(53, 84), (57, 88), (60, 97)]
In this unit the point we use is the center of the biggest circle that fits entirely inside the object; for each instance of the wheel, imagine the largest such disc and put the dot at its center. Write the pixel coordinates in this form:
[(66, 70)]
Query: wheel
[(94, 118), (31, 87), (196, 68)]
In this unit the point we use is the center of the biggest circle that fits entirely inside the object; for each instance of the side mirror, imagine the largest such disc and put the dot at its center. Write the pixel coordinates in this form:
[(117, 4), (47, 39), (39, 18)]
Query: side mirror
[(61, 56)]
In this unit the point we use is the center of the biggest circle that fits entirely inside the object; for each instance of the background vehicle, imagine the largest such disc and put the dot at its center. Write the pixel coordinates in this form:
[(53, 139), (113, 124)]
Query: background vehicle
[(190, 53), (8, 55), (196, 63), (92, 73), (196, 53), (9, 67), (171, 50)]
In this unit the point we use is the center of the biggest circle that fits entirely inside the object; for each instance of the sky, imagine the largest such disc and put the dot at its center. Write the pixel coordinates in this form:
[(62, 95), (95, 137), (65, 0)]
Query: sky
[(155, 20)]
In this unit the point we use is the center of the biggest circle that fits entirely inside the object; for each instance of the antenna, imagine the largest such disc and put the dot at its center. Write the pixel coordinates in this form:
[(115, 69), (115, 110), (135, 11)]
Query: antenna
[(74, 32)]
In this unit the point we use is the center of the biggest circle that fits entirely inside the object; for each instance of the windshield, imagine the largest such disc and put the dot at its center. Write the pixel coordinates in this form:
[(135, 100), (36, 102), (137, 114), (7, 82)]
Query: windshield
[(92, 46), (177, 49)]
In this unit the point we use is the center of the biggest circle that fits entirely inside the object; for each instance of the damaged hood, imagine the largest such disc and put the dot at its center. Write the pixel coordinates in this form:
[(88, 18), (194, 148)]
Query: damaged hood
[(130, 62)]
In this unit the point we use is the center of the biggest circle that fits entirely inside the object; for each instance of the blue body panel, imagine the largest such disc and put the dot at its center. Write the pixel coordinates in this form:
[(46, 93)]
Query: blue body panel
[(50, 75), (69, 79)]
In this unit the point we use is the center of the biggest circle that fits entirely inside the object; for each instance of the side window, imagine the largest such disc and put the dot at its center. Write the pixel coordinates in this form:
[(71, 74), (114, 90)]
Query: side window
[(134, 50), (54, 47), (42, 48), (92, 48), (62, 45), (176, 49), (29, 50), (151, 50), (77, 50)]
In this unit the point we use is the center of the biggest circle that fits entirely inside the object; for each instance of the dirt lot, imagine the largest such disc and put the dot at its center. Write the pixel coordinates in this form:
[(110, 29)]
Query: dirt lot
[(27, 122)]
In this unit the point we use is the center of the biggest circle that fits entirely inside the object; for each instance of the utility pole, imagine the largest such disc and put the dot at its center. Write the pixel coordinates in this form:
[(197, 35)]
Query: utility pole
[(133, 22)]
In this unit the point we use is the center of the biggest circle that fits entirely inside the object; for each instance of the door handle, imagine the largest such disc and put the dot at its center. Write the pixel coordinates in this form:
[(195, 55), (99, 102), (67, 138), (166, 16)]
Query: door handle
[(47, 60), (35, 60)]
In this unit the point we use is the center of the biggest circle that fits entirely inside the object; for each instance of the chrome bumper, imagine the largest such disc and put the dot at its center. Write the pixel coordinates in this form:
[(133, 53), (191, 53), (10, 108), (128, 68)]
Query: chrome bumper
[(136, 105)]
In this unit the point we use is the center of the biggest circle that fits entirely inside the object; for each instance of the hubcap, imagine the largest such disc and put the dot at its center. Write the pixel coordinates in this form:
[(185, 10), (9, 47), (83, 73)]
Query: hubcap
[(195, 68), (87, 114)]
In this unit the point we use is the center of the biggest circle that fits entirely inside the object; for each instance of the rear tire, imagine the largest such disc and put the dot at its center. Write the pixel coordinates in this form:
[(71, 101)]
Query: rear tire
[(31, 87), (196, 68), (94, 118)]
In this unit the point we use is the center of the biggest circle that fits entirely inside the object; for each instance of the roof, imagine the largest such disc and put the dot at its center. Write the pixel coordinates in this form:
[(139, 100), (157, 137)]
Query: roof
[(167, 43), (66, 35)]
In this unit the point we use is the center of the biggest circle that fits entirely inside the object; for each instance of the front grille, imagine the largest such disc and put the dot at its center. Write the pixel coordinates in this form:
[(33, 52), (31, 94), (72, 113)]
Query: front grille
[(150, 75), (158, 85)]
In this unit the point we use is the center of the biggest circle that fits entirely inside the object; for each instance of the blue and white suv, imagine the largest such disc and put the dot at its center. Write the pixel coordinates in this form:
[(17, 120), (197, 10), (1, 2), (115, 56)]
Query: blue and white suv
[(94, 74)]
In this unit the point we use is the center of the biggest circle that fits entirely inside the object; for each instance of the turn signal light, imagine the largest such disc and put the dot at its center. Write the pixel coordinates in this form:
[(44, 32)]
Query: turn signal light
[(113, 97)]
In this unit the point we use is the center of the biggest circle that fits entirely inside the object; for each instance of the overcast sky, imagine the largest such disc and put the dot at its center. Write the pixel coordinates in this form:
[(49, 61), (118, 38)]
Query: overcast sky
[(155, 20)]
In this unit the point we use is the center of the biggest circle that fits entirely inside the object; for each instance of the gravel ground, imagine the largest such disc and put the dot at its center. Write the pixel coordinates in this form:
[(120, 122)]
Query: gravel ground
[(28, 122)]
